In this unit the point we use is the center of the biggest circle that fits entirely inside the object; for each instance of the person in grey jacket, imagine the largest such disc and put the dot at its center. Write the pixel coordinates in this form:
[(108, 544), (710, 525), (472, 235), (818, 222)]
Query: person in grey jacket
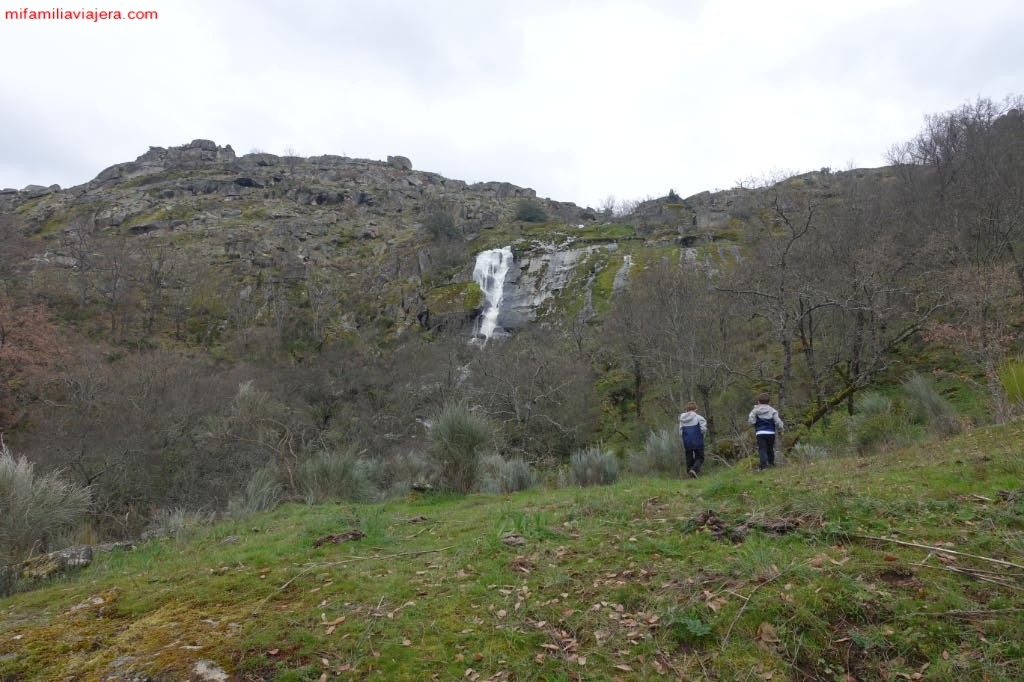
[(766, 422), (692, 429)]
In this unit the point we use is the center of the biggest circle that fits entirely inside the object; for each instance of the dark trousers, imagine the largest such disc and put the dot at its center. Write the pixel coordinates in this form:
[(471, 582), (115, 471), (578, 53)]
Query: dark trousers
[(694, 460), (766, 450)]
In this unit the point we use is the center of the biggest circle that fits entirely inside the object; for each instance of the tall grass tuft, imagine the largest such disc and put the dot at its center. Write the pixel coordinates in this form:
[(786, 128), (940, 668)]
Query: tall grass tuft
[(178, 523), (663, 454), (334, 476), (262, 493), (458, 438), (1011, 375), (34, 509), (495, 474), (593, 466), (808, 452), (925, 405)]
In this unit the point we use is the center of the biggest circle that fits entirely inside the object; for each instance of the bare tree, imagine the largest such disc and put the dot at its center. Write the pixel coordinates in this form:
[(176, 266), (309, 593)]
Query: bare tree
[(539, 395), (777, 283), (159, 267), (963, 176), (79, 241), (115, 273)]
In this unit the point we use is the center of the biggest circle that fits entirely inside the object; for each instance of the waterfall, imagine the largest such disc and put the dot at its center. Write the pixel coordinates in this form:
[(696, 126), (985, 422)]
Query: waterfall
[(489, 272)]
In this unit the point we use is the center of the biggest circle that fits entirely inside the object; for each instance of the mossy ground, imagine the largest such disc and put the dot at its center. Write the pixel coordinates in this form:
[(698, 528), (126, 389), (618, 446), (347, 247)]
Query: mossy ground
[(737, 575)]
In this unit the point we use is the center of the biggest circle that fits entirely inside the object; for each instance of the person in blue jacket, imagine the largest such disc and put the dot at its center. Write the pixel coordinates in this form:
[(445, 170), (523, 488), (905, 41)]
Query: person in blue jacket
[(692, 429), (766, 422)]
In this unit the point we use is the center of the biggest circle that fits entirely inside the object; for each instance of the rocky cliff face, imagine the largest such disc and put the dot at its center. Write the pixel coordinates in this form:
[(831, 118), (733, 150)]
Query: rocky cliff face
[(391, 242), (540, 274), (258, 215)]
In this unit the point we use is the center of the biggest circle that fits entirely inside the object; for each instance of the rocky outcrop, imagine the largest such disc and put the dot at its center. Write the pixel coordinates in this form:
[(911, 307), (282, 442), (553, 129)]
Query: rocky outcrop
[(50, 564), (541, 273), (260, 220), (400, 162)]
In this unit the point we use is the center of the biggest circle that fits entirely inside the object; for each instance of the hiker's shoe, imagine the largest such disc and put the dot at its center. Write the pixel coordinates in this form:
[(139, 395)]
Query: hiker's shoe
[(692, 473)]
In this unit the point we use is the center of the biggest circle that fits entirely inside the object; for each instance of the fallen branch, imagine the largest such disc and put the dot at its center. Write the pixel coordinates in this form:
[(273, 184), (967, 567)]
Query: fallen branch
[(313, 567), (979, 576), (939, 549), (965, 614)]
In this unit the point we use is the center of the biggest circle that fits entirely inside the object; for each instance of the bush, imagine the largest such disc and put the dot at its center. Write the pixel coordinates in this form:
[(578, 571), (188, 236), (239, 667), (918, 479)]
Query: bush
[(334, 476), (440, 222), (925, 405), (665, 450), (530, 211), (397, 474), (663, 454), (807, 452), (34, 509), (593, 466), (262, 493), (495, 474), (876, 423), (458, 436)]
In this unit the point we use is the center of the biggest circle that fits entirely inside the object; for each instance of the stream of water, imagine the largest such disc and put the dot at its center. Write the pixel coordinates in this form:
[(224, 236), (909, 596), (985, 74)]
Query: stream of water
[(489, 272)]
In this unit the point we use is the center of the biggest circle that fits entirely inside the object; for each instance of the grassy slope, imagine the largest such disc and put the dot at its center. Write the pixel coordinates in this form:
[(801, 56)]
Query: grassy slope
[(611, 583)]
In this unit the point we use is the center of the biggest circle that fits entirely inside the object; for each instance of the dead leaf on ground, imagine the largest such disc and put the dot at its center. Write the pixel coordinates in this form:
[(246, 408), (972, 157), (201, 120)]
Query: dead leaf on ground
[(766, 633)]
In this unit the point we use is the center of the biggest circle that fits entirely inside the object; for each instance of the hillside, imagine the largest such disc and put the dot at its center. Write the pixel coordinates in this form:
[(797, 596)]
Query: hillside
[(198, 241), (197, 332), (906, 564)]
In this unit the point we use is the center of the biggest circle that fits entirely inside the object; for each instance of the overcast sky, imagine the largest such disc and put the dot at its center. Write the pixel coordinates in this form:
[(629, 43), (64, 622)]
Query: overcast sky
[(578, 99)]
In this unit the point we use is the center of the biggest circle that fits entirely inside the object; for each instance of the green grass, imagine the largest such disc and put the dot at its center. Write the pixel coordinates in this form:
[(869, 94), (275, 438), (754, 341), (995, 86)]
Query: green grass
[(736, 575)]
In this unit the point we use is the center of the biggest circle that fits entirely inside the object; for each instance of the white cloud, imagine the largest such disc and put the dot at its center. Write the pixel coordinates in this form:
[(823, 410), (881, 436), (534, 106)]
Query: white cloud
[(577, 99)]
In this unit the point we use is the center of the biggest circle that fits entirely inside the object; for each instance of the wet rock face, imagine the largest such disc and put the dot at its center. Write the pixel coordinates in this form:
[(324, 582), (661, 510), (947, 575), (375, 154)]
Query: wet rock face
[(534, 278)]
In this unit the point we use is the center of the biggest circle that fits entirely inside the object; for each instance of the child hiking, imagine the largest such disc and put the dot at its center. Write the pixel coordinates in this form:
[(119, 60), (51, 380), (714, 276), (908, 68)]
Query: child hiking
[(692, 429), (765, 420)]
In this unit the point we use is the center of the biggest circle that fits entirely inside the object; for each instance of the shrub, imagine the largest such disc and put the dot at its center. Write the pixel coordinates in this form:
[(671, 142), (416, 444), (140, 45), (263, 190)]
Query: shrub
[(593, 466), (398, 474), (727, 449), (333, 476), (439, 221), (262, 493), (530, 211), (640, 463), (925, 405), (662, 453), (495, 474), (876, 424), (807, 452), (665, 450), (34, 509), (458, 436)]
